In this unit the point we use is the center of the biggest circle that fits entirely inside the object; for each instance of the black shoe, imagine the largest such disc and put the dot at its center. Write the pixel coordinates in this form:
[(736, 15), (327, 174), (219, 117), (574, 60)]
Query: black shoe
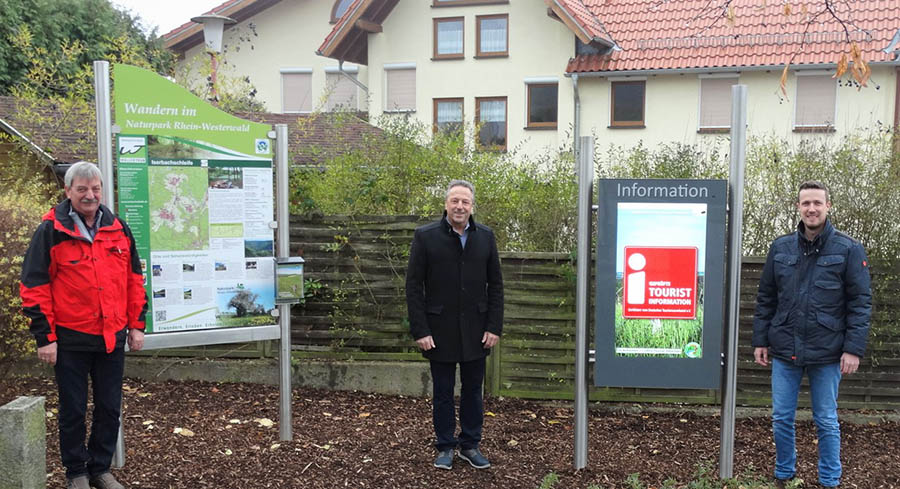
[(781, 483), (475, 458), (444, 460)]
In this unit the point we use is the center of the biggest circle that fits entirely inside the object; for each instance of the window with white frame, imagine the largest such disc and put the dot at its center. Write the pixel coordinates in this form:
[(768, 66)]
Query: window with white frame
[(715, 101), (448, 115), (814, 106), (341, 91), (492, 33), (490, 114), (400, 88), (448, 38), (296, 90)]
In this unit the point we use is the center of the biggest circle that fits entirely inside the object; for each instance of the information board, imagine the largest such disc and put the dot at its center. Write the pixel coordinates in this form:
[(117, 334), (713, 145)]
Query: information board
[(195, 185), (660, 283)]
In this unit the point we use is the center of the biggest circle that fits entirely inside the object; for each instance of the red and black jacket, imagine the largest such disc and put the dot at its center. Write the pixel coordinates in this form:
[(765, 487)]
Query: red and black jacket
[(79, 293)]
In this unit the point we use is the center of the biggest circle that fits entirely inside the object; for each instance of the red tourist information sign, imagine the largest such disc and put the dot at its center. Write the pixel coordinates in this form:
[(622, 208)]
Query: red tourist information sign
[(660, 282)]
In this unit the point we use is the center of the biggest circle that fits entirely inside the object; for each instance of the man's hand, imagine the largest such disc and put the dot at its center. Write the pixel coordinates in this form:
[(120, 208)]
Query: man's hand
[(489, 339), (761, 355), (426, 343), (135, 339), (47, 353), (849, 363)]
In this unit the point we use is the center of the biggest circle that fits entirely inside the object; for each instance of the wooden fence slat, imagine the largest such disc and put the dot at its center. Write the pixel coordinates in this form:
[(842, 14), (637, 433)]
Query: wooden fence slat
[(360, 313)]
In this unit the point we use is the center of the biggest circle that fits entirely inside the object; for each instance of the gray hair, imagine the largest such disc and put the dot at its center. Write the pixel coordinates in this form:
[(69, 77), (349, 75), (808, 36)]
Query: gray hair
[(460, 183), (82, 169)]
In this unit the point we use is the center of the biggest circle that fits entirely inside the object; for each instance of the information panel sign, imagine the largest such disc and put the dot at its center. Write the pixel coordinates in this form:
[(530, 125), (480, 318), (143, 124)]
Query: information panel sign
[(660, 283), (195, 185)]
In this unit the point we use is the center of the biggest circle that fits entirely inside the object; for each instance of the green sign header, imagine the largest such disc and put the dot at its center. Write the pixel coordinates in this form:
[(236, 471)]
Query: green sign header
[(139, 111)]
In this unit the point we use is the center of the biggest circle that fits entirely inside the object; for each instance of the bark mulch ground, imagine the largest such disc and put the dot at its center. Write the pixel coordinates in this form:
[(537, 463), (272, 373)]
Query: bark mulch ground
[(207, 435)]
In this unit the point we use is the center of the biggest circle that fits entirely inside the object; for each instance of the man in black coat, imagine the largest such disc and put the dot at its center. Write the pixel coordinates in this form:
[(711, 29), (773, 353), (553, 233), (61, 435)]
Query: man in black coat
[(454, 296)]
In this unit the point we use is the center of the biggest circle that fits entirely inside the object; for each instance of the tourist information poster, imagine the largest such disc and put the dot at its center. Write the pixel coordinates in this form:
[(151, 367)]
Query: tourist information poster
[(659, 262), (660, 283), (195, 186)]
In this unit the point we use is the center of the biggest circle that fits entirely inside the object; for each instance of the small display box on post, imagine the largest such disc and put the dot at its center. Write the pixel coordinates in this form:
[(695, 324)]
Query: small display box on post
[(289, 280)]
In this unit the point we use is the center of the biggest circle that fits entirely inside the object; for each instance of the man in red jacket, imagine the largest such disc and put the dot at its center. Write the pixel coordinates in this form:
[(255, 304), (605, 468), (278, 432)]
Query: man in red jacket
[(82, 288)]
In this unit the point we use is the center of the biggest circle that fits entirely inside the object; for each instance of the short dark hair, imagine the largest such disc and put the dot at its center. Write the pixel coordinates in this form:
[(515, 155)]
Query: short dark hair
[(815, 185)]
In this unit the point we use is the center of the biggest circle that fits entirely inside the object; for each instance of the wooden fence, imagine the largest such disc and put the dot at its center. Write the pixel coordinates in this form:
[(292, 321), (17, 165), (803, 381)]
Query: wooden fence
[(358, 311)]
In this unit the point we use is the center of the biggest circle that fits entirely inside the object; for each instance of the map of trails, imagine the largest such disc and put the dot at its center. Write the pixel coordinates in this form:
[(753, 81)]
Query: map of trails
[(179, 210)]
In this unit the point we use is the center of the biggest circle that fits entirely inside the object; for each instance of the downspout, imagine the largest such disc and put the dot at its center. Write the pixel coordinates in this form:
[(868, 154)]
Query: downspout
[(897, 110), (347, 76), (576, 122)]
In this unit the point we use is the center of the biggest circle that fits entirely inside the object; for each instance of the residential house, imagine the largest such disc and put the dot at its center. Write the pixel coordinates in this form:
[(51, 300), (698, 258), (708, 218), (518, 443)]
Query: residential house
[(650, 71), (533, 74), (273, 43)]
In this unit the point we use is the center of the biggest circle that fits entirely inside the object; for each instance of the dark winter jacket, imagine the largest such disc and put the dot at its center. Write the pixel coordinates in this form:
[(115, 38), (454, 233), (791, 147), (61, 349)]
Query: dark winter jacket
[(814, 298), (454, 294), (79, 293)]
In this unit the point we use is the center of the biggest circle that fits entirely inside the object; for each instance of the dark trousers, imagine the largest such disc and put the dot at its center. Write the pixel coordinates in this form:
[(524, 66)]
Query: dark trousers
[(471, 406), (105, 371)]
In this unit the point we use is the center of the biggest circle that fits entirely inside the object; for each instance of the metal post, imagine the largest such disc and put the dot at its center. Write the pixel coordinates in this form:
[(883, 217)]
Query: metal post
[(284, 250), (735, 210), (105, 164), (582, 297), (104, 131)]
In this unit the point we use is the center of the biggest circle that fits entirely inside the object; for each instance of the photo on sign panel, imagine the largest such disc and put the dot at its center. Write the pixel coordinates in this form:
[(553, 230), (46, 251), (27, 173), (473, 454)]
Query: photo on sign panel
[(660, 255)]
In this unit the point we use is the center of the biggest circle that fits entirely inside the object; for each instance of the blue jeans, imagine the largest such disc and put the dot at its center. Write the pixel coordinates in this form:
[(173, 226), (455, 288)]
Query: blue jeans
[(823, 393), (471, 404)]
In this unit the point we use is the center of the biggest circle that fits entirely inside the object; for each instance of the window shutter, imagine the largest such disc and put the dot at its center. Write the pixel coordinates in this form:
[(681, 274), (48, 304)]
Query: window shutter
[(401, 89), (341, 92), (715, 101), (815, 101), (296, 92)]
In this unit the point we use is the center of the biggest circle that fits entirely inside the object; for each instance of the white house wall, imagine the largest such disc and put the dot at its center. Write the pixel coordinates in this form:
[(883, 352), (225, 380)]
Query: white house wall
[(539, 47), (672, 108), (288, 34)]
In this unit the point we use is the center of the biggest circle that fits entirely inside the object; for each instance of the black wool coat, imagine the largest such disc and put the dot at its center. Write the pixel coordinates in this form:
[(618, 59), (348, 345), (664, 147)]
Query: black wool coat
[(454, 294)]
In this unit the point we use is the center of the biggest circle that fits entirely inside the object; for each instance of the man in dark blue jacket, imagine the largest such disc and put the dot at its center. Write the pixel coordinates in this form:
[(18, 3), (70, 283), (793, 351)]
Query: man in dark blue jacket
[(812, 317), (454, 296)]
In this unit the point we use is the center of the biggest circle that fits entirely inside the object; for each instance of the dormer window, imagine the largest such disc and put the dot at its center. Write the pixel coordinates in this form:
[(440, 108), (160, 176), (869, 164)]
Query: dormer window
[(339, 9)]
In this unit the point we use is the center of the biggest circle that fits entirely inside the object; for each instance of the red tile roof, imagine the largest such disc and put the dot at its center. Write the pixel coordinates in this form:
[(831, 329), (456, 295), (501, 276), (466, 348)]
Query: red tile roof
[(312, 138), (190, 34), (586, 22), (315, 138), (63, 136), (697, 34), (349, 42)]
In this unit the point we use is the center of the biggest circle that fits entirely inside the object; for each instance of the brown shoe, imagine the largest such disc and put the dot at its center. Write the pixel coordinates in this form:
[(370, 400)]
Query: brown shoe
[(105, 481), (781, 483), (80, 482)]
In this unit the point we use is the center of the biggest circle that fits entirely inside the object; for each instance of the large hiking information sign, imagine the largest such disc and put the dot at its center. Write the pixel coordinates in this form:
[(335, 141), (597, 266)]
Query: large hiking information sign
[(195, 186), (660, 283)]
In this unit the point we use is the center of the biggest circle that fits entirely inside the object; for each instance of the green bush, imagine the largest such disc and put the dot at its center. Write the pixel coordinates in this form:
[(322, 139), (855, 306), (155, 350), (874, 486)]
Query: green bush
[(20, 214), (861, 171), (527, 199)]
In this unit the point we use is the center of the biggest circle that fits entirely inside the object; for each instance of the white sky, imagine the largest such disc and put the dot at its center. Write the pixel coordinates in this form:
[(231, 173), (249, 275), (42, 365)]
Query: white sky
[(166, 14)]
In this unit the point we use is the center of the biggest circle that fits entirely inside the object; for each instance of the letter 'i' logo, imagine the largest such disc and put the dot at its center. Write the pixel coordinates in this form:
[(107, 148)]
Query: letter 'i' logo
[(636, 279)]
